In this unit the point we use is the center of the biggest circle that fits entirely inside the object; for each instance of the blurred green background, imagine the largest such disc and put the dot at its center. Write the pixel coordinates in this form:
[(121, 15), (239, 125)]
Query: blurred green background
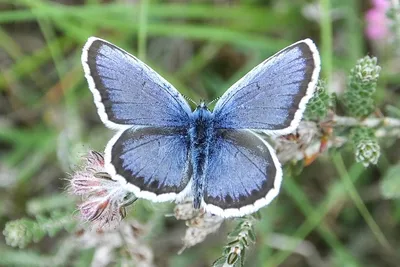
[(48, 120)]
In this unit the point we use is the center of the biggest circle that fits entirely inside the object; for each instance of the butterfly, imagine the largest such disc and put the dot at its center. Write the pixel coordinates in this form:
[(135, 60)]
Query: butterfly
[(164, 151)]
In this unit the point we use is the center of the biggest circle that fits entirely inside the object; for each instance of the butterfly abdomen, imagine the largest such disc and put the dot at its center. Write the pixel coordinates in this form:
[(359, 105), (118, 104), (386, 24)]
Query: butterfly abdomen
[(201, 135)]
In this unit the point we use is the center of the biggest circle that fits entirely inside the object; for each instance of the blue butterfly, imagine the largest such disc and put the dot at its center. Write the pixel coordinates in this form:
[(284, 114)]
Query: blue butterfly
[(164, 151)]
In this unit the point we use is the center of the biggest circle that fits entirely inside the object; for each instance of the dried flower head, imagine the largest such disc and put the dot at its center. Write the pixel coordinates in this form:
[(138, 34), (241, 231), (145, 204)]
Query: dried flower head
[(104, 199), (292, 147), (123, 247), (185, 211), (199, 224)]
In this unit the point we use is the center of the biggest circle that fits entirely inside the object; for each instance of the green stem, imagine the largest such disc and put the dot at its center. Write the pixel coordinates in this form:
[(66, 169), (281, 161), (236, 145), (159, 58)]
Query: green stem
[(352, 191), (326, 39), (142, 31)]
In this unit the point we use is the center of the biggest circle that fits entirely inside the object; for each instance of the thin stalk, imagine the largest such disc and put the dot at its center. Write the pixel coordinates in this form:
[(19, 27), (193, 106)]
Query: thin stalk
[(326, 39), (142, 31), (352, 191)]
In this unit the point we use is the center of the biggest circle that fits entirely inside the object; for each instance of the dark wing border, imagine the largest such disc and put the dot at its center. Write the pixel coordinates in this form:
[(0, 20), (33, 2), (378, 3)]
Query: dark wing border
[(302, 103), (90, 76)]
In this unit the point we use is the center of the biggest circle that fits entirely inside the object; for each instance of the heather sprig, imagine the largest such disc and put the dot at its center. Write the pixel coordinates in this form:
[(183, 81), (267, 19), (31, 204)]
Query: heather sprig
[(20, 233), (366, 147), (377, 21), (240, 239), (319, 104), (359, 96)]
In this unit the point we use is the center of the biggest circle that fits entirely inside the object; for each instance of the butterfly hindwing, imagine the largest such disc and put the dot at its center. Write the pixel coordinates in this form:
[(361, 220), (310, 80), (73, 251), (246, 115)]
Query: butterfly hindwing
[(128, 92), (272, 96), (153, 161), (243, 175)]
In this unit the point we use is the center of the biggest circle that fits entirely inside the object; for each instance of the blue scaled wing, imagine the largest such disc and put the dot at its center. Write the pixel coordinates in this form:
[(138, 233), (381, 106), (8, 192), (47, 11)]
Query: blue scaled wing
[(272, 96), (153, 162), (128, 92), (243, 175)]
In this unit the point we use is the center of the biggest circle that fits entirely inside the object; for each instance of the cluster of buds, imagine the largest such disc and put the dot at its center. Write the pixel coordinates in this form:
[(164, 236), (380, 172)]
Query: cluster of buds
[(366, 146), (104, 200), (358, 98), (365, 72), (318, 106), (21, 232)]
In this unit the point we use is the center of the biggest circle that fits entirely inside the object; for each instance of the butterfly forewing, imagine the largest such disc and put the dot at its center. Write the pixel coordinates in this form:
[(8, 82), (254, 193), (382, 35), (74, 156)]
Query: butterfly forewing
[(128, 92), (274, 94), (243, 175)]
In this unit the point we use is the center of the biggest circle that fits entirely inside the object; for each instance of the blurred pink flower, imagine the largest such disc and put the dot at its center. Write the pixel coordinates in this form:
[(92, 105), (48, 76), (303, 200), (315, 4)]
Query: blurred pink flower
[(104, 200), (377, 23)]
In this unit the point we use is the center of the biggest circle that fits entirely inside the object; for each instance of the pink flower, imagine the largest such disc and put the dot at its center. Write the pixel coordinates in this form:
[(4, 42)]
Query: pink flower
[(377, 23), (104, 200)]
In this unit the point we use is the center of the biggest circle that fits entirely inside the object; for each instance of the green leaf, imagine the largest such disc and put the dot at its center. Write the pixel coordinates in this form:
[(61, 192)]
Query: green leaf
[(9, 257), (232, 258), (241, 237), (220, 262), (252, 235), (49, 203), (390, 185)]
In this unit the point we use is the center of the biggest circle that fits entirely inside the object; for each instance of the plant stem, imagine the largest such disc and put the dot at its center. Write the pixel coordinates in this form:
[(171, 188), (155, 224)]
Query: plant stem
[(352, 191), (326, 39), (369, 122), (142, 34)]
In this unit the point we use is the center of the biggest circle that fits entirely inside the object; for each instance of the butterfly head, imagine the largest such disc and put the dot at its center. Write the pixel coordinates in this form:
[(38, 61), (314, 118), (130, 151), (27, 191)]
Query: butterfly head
[(202, 113), (202, 105)]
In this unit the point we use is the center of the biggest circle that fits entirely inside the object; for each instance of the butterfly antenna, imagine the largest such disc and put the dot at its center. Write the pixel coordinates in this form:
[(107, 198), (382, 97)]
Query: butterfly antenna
[(216, 99), (189, 99)]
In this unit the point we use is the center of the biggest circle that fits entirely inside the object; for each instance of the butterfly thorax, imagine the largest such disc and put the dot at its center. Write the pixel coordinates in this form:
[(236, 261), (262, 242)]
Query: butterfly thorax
[(201, 135)]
